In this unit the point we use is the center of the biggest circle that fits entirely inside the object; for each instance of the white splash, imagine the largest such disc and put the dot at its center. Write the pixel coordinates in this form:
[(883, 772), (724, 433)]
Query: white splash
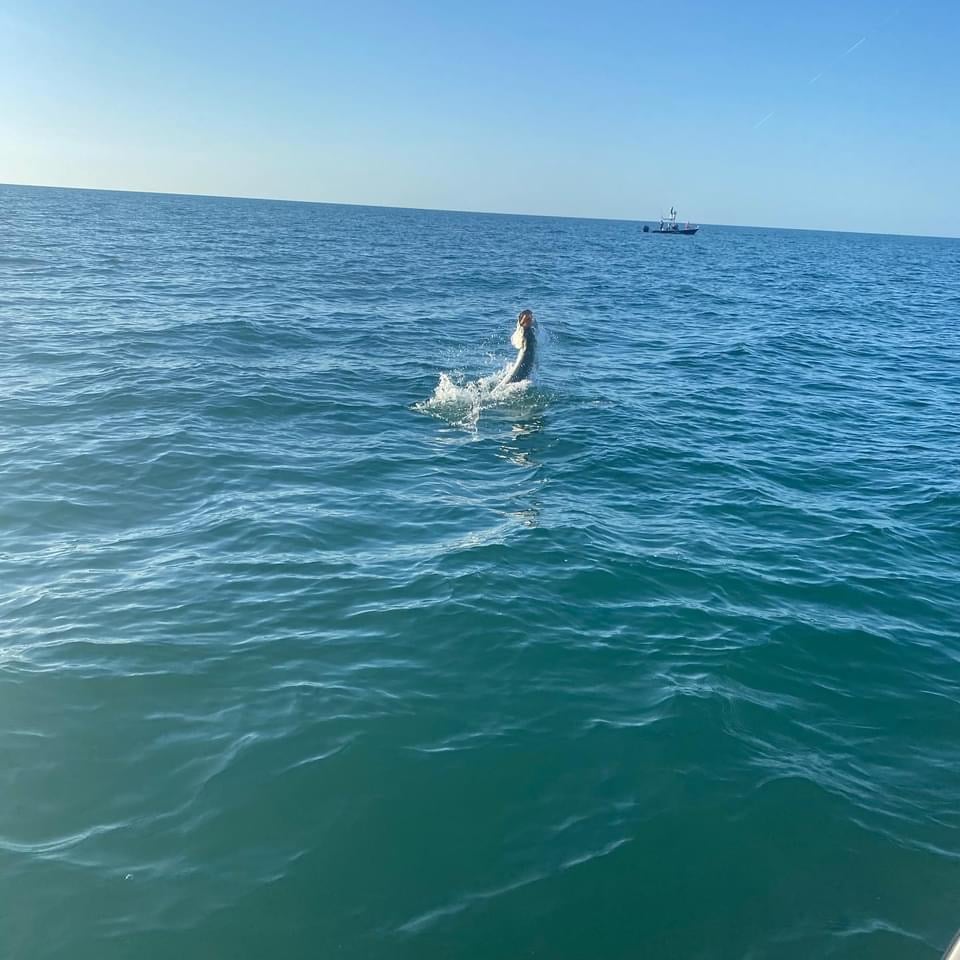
[(461, 403)]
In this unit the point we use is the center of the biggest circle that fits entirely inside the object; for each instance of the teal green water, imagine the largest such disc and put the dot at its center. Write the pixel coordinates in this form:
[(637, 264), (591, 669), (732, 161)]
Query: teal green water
[(303, 655)]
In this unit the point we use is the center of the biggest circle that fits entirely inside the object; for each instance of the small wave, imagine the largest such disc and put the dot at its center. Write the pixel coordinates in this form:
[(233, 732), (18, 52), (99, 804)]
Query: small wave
[(468, 900), (465, 902), (462, 403)]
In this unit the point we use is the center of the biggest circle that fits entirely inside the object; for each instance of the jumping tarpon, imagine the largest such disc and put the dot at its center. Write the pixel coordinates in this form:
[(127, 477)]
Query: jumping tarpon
[(525, 340)]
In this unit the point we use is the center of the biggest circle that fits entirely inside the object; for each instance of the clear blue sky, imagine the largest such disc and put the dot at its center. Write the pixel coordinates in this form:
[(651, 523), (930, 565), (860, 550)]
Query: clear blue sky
[(740, 112)]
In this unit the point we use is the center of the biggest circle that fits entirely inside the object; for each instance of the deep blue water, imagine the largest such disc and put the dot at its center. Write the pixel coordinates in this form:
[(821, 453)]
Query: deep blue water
[(655, 658)]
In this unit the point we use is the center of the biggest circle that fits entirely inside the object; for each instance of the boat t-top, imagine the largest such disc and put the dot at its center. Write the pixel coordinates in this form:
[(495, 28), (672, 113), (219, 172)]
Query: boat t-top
[(669, 225)]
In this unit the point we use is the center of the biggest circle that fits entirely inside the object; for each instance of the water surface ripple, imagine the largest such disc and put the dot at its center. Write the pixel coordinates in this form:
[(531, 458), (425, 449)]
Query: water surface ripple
[(656, 658)]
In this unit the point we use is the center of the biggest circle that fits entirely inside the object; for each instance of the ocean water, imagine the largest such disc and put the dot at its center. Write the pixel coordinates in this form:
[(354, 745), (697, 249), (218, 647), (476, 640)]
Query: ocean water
[(316, 643)]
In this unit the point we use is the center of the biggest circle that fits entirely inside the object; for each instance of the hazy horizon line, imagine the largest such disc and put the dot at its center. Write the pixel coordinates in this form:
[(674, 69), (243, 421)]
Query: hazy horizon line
[(488, 213)]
